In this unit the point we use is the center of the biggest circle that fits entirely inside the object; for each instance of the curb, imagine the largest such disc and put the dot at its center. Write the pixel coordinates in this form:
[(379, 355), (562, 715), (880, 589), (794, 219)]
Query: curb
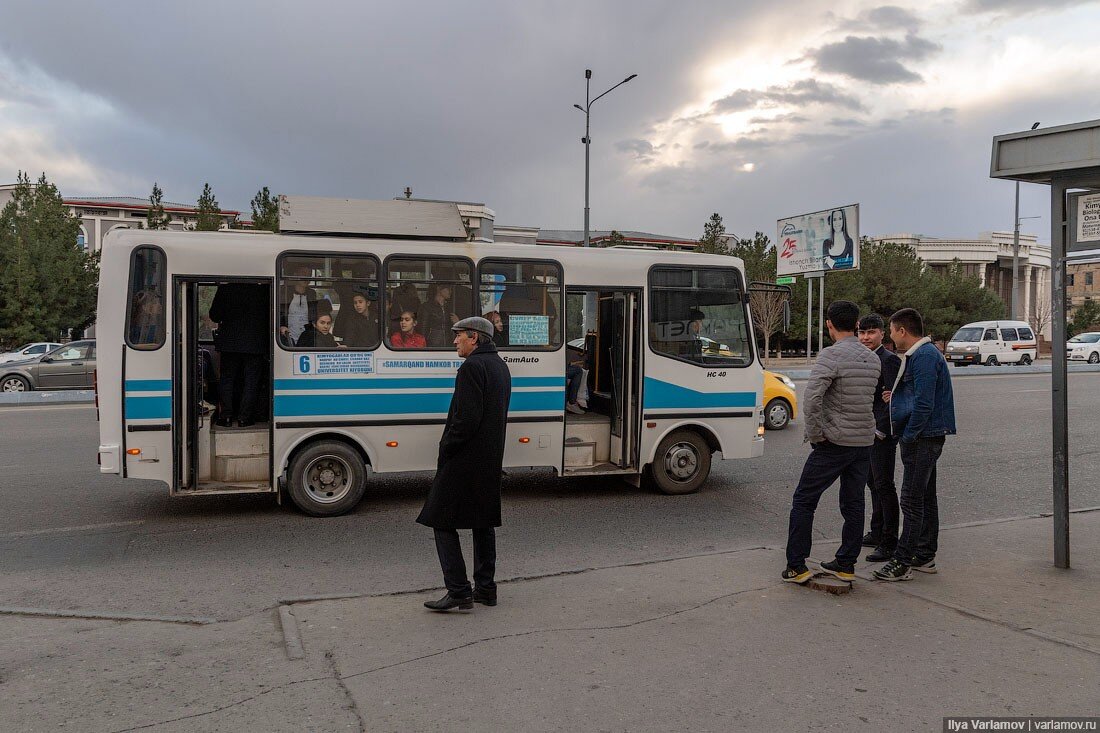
[(972, 371), (58, 397)]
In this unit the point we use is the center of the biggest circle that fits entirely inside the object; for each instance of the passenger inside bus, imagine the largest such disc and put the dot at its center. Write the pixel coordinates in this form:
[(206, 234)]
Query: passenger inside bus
[(297, 306), (437, 315), (499, 338), (402, 299), (357, 326), (318, 335), (406, 336)]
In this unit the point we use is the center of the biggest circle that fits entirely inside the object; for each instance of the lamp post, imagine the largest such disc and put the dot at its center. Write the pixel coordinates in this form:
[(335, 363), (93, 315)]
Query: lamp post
[(1016, 252), (587, 139)]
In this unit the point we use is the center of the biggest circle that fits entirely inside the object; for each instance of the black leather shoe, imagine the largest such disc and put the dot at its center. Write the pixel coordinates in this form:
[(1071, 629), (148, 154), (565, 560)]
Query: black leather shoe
[(447, 602), (224, 422), (879, 554), (485, 597), (245, 423), (869, 540)]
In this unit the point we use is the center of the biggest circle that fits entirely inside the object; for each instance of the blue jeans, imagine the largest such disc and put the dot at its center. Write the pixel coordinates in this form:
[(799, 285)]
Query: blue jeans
[(573, 376), (828, 462), (921, 529)]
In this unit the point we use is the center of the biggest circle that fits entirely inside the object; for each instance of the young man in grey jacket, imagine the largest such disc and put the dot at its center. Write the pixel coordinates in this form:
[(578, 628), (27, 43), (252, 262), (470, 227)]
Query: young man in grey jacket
[(837, 410)]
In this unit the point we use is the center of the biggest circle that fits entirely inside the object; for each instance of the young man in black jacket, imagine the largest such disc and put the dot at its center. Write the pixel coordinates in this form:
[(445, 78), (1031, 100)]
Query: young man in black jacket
[(884, 494)]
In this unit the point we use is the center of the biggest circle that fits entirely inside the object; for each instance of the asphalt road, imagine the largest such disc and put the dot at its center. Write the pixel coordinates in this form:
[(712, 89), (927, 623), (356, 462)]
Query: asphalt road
[(73, 539)]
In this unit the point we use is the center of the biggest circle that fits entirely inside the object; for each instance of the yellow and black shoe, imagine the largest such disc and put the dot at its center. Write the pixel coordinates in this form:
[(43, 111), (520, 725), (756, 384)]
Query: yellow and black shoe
[(843, 572), (799, 574)]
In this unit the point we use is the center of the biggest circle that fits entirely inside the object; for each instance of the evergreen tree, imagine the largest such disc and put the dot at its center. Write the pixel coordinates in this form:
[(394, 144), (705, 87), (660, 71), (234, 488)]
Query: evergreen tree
[(209, 219), (713, 240), (614, 239), (1084, 316), (156, 218), (265, 211), (48, 283)]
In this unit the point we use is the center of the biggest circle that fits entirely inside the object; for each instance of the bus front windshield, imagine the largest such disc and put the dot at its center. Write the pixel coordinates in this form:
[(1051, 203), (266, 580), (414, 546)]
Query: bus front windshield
[(968, 334)]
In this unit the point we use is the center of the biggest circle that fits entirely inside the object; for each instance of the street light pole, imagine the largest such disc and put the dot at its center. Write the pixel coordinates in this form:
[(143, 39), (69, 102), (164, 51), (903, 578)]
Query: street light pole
[(1014, 315), (587, 139)]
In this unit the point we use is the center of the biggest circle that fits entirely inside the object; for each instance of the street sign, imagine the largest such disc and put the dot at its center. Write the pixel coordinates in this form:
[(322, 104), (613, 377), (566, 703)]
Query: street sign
[(1084, 213), (784, 281)]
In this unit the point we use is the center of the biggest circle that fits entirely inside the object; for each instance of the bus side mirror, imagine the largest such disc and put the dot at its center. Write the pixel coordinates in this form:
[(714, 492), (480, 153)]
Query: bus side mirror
[(786, 316)]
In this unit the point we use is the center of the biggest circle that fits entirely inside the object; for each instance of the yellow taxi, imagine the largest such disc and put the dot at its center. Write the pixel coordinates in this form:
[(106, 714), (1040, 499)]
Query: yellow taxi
[(780, 401)]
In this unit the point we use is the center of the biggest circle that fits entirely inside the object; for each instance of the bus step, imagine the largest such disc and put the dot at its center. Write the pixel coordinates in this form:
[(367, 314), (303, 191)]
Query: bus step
[(580, 453), (234, 469)]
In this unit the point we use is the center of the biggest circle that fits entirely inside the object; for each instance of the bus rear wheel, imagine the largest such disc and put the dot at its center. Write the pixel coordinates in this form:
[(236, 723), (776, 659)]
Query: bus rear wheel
[(327, 479), (681, 464)]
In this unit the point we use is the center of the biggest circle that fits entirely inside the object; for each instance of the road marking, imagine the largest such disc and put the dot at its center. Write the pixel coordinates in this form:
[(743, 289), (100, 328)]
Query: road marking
[(62, 530), (44, 408)]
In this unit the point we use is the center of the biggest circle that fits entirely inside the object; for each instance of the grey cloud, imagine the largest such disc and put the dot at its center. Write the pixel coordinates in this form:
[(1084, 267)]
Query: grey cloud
[(790, 118), (875, 60), (1019, 7), (882, 18), (799, 94), (845, 122), (638, 149)]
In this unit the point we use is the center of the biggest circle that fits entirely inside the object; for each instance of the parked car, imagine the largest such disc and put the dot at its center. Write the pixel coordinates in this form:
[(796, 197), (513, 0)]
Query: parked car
[(1084, 347), (28, 351), (992, 343), (71, 366), (780, 401)]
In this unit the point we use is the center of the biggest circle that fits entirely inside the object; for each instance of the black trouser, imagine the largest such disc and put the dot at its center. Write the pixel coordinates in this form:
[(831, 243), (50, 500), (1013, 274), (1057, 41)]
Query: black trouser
[(454, 566), (921, 529), (884, 494), (825, 464), (239, 385)]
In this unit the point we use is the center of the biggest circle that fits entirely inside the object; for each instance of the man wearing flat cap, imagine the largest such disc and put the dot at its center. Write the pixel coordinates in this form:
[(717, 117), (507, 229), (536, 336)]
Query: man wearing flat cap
[(466, 491)]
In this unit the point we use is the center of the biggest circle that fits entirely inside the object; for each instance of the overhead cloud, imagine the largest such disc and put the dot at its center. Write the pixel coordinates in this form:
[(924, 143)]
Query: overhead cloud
[(802, 93), (1020, 7), (639, 149), (875, 60), (882, 18)]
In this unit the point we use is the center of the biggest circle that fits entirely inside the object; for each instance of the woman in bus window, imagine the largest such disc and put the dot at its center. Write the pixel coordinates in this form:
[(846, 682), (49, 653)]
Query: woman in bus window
[(357, 326), (319, 335), (406, 336)]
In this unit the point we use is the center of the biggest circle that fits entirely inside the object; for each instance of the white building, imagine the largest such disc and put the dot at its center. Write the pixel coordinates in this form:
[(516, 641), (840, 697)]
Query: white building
[(989, 258), (100, 214)]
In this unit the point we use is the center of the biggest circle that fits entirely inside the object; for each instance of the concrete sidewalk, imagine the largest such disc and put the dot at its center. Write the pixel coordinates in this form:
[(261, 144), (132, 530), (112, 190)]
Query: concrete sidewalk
[(705, 643)]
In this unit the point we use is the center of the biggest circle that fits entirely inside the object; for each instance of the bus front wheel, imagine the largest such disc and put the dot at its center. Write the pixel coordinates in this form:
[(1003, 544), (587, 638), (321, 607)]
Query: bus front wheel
[(681, 464), (327, 479)]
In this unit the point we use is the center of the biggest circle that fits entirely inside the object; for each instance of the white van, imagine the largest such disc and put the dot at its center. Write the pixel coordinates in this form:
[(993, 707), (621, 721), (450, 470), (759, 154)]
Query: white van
[(992, 343)]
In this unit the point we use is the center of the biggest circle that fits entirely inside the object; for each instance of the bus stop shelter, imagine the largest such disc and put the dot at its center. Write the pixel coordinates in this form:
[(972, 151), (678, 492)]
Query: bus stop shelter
[(1066, 158)]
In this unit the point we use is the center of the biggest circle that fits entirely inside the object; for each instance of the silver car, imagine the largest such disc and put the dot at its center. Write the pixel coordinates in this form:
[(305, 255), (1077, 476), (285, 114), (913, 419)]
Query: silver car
[(70, 366)]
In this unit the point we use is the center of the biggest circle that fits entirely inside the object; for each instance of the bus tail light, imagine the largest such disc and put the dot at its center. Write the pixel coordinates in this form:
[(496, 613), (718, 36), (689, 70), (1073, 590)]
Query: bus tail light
[(525, 439), (391, 444)]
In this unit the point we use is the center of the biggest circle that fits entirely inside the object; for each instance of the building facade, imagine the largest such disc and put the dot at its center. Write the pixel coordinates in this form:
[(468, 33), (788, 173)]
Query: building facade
[(100, 214), (989, 258)]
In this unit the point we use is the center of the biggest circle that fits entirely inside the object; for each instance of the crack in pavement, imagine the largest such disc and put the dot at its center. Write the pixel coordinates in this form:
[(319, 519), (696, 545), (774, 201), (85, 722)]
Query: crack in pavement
[(330, 658)]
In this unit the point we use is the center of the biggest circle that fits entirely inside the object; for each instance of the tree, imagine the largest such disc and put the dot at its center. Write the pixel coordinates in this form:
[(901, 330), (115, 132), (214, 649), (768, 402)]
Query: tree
[(156, 218), (1042, 315), (767, 313), (209, 219), (615, 239), (265, 211), (1084, 317), (758, 255), (713, 240), (48, 281)]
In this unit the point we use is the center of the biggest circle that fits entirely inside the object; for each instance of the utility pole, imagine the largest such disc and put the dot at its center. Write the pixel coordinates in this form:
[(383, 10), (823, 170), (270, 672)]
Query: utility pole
[(1014, 310)]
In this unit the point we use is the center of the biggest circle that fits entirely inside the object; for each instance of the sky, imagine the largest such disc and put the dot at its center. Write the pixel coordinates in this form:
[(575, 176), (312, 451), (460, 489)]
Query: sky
[(755, 110)]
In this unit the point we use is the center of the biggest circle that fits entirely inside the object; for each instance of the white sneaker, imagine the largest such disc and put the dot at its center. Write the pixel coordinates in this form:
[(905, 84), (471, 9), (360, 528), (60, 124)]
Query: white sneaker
[(574, 408)]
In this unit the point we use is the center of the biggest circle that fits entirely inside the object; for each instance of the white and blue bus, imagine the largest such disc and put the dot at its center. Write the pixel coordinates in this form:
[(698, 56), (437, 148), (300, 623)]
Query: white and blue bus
[(670, 377)]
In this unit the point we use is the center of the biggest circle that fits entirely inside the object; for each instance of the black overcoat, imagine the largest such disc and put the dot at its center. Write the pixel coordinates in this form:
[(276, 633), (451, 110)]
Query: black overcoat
[(466, 491), (241, 312)]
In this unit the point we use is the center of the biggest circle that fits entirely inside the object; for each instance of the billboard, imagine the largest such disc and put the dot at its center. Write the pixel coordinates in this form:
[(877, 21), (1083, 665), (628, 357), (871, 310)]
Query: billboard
[(818, 242)]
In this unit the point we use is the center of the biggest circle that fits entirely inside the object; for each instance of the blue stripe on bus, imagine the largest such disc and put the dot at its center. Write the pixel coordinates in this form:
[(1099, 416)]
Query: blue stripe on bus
[(144, 408), (148, 385), (664, 395), (398, 404), (315, 383)]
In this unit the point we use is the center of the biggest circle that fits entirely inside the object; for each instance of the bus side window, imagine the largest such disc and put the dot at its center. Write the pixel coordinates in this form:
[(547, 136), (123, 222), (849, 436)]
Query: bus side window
[(697, 315), (523, 300), (145, 311), (328, 302), (425, 296), (990, 334)]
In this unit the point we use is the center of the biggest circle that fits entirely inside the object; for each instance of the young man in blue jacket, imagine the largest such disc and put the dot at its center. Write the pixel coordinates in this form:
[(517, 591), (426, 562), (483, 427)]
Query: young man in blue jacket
[(922, 414)]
